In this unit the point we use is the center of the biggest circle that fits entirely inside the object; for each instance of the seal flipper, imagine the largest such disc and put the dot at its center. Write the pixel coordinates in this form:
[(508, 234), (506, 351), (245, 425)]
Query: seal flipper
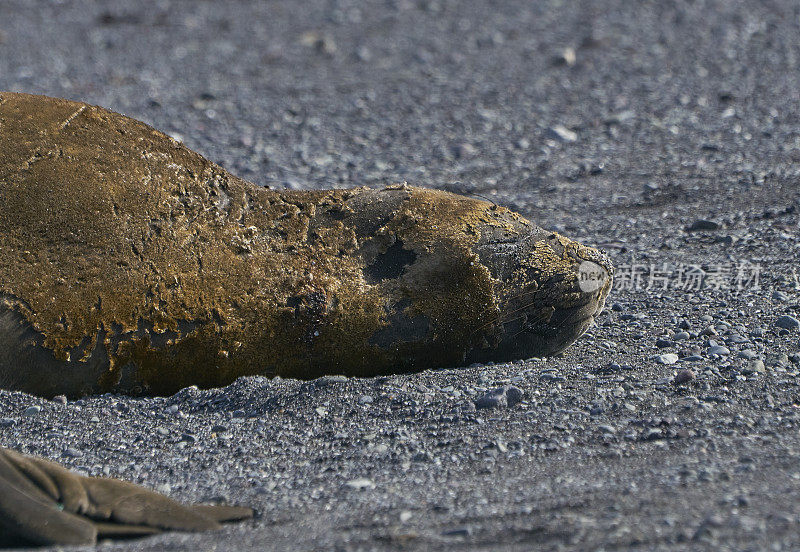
[(223, 513), (33, 492), (29, 516)]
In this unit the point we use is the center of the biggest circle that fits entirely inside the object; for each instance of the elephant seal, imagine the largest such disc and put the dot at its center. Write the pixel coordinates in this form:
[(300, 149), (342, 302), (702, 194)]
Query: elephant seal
[(131, 264)]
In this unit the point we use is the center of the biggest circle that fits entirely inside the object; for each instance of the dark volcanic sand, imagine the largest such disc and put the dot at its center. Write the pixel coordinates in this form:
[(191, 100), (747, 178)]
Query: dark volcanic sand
[(669, 113)]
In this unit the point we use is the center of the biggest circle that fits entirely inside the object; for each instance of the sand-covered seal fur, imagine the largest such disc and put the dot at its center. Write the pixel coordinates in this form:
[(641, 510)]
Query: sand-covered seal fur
[(129, 263)]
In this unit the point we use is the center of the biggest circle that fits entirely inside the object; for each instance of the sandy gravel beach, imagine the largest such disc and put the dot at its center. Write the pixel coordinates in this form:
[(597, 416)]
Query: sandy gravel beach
[(665, 133)]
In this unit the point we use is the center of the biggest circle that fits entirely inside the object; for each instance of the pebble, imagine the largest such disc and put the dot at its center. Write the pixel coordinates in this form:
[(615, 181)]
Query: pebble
[(458, 532), (668, 358), (778, 359), (703, 224), (681, 336), (567, 57), (33, 410), (7, 422), (756, 366), (779, 296), (328, 380), (664, 343), (788, 322), (718, 350), (562, 133), (685, 375), (651, 434), (72, 453), (709, 330), (502, 397), (465, 151), (360, 484), (736, 339)]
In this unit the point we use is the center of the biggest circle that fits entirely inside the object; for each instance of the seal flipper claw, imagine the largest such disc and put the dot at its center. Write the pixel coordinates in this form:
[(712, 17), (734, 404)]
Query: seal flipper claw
[(85, 508), (30, 516)]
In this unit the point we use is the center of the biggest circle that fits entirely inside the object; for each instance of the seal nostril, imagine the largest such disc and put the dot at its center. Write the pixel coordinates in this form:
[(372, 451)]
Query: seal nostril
[(390, 264)]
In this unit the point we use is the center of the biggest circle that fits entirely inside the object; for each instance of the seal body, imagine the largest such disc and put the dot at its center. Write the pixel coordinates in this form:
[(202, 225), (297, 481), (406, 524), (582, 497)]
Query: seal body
[(129, 263)]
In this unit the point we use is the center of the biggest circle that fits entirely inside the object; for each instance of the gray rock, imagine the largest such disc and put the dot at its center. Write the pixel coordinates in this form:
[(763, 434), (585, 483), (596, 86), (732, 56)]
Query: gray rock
[(779, 296), (328, 380), (652, 433), (756, 366), (777, 359), (709, 330), (718, 350), (562, 133), (703, 225), (748, 354), (788, 322), (360, 483), (667, 358), (503, 397), (684, 376)]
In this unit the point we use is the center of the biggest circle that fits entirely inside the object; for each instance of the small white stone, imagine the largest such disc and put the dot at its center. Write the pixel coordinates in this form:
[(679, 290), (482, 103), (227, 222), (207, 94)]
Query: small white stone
[(667, 358)]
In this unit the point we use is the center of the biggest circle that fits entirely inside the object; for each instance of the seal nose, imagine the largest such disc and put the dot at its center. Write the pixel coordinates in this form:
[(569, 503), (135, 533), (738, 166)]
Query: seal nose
[(550, 288)]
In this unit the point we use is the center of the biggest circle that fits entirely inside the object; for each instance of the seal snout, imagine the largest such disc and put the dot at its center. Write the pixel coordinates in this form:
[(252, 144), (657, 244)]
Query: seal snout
[(551, 290)]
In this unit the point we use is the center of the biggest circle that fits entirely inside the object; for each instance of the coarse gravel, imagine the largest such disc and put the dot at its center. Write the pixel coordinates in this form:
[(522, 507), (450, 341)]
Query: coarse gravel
[(666, 133)]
